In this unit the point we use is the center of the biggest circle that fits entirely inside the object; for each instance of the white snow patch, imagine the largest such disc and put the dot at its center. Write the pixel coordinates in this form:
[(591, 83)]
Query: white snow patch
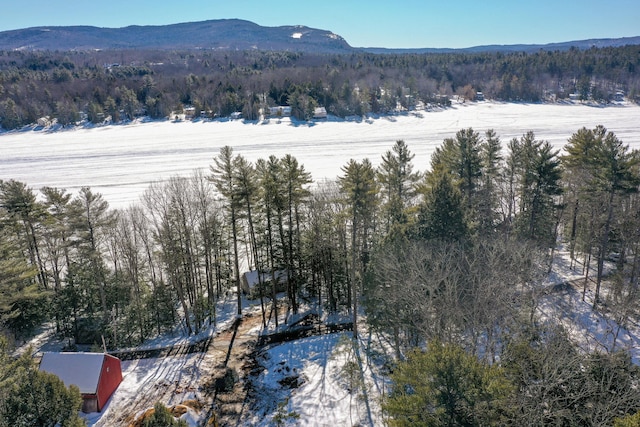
[(331, 388), (120, 161), (590, 329), (296, 35)]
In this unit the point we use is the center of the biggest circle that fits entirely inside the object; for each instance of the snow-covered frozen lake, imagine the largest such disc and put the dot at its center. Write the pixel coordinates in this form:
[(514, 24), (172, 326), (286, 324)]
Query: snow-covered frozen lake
[(120, 161)]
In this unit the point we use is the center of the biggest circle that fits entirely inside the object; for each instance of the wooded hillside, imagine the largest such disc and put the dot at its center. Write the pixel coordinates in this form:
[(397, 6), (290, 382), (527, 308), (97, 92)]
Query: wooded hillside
[(122, 85)]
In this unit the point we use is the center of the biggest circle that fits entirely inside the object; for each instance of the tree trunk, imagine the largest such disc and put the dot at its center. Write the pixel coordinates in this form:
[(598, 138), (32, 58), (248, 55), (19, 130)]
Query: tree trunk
[(604, 246)]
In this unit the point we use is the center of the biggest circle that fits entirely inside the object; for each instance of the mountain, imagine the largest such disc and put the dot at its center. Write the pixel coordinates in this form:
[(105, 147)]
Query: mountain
[(228, 34), (579, 44), (234, 34)]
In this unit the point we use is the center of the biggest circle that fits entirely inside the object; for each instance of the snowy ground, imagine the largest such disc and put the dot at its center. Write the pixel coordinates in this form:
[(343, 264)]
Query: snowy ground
[(591, 330), (120, 161), (319, 380), (331, 388)]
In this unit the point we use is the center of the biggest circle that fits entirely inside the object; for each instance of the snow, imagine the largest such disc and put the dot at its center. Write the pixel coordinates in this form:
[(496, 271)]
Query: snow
[(331, 389), (120, 161), (81, 369), (170, 379), (590, 329), (141, 376)]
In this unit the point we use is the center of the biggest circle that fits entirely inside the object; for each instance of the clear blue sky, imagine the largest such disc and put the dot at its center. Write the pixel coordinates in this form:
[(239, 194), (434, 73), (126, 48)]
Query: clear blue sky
[(374, 23)]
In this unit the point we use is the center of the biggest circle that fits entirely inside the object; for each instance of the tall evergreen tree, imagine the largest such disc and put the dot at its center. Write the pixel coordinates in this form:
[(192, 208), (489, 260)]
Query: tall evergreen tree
[(359, 189), (488, 204), (539, 184), (461, 157), (441, 214), (607, 168), (271, 183), (398, 181), (223, 176), (92, 217), (21, 299), (295, 180), (25, 213)]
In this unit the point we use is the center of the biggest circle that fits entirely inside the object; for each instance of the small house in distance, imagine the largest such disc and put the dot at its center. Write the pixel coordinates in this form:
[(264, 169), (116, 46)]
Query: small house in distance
[(250, 281), (97, 375), (320, 113), (280, 111)]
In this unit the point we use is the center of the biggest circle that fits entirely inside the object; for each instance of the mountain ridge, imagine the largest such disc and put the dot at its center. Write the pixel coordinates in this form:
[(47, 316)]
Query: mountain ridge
[(238, 34), (229, 34)]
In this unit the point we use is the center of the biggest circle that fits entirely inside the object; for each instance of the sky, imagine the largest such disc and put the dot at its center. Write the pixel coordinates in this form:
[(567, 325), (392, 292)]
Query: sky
[(373, 23)]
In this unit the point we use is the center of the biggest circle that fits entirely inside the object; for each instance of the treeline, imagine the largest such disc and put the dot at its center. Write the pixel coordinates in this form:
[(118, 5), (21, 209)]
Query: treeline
[(122, 85), (132, 273), (454, 255), (32, 397)]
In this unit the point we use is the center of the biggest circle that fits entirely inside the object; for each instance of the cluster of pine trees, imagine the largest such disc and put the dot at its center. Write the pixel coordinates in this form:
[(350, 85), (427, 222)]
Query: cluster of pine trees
[(454, 255), (122, 85), (29, 397)]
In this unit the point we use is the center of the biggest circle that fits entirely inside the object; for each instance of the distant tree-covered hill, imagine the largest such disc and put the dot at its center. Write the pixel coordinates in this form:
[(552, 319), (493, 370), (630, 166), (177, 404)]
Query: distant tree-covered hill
[(237, 34), (225, 34), (121, 84)]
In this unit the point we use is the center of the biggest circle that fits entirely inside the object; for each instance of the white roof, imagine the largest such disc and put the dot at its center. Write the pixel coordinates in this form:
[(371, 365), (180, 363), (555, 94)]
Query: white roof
[(81, 369), (252, 277)]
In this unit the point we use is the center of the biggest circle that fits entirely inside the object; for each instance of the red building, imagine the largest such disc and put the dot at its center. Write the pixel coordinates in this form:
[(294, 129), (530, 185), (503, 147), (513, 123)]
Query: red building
[(97, 375)]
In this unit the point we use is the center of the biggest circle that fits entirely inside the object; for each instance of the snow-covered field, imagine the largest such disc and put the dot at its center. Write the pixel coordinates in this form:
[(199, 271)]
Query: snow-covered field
[(120, 161)]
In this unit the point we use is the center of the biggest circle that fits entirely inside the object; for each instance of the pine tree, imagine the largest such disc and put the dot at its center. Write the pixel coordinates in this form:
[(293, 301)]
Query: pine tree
[(606, 172), (295, 181), (223, 176), (441, 214), (91, 219), (21, 299), (488, 204), (397, 179), (539, 184), (29, 397), (359, 189), (444, 386)]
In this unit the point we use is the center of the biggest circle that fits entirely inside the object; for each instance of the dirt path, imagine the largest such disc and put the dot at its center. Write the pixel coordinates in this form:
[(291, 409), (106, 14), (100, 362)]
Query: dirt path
[(188, 372), (194, 373)]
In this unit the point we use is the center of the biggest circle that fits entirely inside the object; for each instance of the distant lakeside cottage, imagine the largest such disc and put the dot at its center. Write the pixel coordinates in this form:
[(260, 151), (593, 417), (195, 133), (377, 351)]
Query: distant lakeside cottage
[(320, 113), (97, 375), (280, 111)]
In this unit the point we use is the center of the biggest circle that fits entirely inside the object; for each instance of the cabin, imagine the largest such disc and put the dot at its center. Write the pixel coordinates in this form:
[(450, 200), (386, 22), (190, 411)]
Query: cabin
[(44, 122), (320, 113), (250, 281), (97, 375), (280, 111), (189, 113), (479, 96)]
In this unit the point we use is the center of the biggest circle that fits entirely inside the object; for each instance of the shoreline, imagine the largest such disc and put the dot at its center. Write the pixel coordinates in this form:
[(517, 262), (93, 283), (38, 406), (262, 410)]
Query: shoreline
[(308, 123)]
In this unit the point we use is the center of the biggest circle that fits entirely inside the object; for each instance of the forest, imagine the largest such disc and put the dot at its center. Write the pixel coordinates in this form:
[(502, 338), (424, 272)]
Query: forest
[(450, 260), (113, 86)]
